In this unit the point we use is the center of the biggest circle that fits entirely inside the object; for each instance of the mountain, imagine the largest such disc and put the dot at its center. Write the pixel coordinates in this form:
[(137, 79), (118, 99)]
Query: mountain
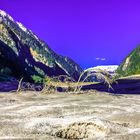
[(23, 54), (96, 74), (109, 68), (131, 64)]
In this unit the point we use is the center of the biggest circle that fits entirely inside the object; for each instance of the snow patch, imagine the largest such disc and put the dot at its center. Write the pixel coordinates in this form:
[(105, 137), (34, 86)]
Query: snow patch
[(35, 36), (4, 14), (21, 26)]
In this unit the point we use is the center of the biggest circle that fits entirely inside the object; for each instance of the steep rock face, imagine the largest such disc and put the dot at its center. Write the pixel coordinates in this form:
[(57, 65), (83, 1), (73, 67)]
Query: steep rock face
[(25, 55), (131, 64)]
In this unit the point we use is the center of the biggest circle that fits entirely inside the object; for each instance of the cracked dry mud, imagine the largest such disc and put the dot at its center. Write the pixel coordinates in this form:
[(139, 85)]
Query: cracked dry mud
[(94, 116)]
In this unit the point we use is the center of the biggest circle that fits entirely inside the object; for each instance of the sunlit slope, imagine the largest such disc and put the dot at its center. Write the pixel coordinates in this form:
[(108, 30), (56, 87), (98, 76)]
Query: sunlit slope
[(131, 64)]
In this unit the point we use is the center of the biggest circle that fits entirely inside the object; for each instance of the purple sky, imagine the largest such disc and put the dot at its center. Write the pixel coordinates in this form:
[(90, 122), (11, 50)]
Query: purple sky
[(91, 32)]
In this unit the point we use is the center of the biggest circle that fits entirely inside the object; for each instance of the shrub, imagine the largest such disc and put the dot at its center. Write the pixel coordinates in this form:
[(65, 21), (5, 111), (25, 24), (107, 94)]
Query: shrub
[(37, 79)]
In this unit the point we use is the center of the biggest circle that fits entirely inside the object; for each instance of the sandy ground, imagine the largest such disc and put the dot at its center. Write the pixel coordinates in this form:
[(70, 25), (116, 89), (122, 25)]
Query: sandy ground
[(94, 116)]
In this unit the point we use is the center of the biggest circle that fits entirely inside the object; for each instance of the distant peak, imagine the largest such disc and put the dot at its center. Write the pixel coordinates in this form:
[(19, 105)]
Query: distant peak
[(110, 68)]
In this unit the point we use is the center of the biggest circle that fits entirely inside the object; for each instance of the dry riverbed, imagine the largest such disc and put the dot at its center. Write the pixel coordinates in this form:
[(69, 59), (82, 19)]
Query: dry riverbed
[(94, 116)]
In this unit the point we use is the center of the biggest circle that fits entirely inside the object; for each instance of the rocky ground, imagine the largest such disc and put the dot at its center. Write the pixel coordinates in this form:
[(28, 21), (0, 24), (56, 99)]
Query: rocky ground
[(92, 115)]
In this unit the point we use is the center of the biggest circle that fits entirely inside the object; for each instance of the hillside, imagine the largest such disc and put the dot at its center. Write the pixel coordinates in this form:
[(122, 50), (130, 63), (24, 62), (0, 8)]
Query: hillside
[(23, 54), (131, 64)]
